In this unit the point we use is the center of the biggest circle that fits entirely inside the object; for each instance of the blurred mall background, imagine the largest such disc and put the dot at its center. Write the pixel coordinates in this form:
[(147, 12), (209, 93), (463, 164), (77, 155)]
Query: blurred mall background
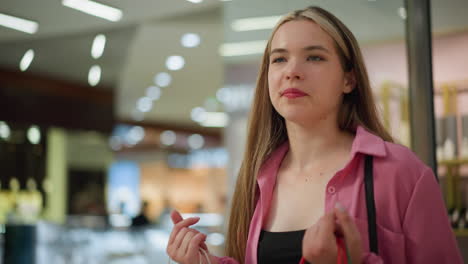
[(107, 105)]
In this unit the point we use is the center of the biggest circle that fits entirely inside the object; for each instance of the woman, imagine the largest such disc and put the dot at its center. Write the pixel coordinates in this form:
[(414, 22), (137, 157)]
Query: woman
[(301, 182)]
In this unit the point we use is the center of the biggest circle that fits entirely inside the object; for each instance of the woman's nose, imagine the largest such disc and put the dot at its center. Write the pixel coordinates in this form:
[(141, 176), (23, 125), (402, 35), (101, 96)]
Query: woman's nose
[(294, 72)]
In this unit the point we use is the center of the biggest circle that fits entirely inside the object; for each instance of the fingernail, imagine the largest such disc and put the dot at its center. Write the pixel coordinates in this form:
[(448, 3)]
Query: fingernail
[(340, 207)]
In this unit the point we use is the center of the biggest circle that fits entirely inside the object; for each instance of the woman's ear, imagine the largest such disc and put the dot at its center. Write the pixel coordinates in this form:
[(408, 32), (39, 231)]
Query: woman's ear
[(349, 82)]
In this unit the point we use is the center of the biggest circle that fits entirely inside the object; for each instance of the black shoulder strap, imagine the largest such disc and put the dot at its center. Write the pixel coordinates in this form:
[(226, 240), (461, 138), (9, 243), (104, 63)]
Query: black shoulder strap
[(370, 203)]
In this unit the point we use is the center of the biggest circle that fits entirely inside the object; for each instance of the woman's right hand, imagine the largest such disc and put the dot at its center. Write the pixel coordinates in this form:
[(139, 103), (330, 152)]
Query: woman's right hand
[(319, 242), (184, 242)]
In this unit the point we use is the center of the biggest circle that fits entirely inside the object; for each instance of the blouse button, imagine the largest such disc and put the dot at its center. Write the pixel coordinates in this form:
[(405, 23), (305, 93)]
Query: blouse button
[(331, 190)]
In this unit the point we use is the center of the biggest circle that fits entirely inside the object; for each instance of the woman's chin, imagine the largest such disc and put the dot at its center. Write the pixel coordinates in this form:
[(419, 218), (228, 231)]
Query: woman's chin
[(298, 118), (303, 118)]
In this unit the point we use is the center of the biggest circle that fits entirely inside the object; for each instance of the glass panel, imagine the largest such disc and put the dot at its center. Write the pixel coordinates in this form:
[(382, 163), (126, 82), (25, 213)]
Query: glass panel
[(450, 64)]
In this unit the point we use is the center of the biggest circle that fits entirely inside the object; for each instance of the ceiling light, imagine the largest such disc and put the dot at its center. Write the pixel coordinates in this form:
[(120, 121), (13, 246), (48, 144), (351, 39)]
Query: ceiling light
[(95, 9), (144, 104), (175, 63), (195, 1), (4, 130), (209, 119), (26, 60), (255, 23), (197, 114), (98, 46), (190, 40), (214, 119), (235, 98), (94, 75), (163, 79), (34, 135), (19, 24), (135, 135), (402, 12), (196, 141), (223, 94), (242, 48), (153, 92), (168, 137)]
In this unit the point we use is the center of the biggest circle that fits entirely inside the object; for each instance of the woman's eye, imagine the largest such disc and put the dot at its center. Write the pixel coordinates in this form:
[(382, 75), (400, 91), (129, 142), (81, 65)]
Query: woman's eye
[(315, 58), (276, 60)]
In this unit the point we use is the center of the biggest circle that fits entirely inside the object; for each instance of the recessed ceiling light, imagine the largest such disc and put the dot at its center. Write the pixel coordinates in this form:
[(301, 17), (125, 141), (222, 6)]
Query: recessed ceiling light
[(153, 92), (214, 119), (98, 46), (190, 40), (223, 94), (175, 63), (195, 1), (135, 135), (96, 9), (196, 141), (144, 104), (26, 60), (163, 79), (94, 75), (402, 13), (34, 135), (168, 137), (255, 23), (19, 24), (4, 130), (197, 114)]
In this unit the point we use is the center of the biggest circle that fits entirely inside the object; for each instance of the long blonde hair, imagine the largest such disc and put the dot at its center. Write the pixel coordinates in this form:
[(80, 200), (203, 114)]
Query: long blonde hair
[(267, 129)]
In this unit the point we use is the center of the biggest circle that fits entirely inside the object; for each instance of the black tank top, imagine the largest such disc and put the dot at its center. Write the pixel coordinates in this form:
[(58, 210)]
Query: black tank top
[(280, 247)]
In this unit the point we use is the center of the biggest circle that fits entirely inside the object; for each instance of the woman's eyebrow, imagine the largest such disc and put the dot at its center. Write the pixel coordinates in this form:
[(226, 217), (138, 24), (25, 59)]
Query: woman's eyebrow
[(278, 50), (316, 47), (308, 48)]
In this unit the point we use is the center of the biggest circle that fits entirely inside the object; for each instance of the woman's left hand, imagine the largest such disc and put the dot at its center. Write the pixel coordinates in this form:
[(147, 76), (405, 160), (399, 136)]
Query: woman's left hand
[(319, 243)]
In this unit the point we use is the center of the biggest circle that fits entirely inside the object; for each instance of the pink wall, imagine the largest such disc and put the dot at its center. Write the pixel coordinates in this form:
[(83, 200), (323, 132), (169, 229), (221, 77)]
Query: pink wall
[(388, 62), (450, 60)]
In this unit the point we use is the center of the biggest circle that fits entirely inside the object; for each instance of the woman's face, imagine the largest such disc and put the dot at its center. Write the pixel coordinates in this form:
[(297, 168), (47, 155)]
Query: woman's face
[(305, 77)]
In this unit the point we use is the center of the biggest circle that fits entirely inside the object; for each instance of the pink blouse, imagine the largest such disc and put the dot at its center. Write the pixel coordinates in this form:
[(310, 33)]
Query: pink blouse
[(412, 221)]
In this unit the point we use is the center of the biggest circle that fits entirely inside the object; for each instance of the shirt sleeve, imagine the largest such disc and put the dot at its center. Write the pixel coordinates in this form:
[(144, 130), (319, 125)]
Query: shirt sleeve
[(428, 235)]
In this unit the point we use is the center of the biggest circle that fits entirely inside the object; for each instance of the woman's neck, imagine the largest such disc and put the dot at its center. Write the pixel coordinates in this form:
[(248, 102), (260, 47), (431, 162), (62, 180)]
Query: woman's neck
[(312, 144)]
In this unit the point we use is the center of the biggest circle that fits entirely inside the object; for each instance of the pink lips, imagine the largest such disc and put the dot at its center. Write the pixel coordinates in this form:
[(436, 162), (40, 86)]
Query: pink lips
[(293, 93)]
